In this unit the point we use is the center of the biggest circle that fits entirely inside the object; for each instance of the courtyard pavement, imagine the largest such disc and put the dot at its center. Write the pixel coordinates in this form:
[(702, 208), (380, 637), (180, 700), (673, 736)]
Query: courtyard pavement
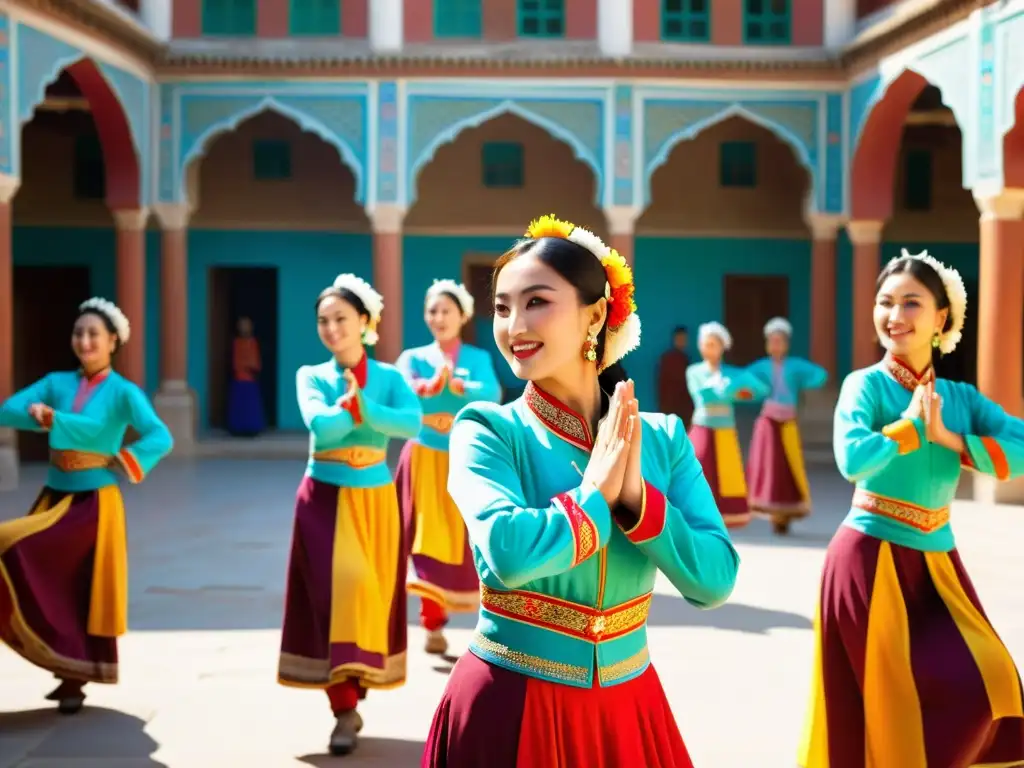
[(209, 542)]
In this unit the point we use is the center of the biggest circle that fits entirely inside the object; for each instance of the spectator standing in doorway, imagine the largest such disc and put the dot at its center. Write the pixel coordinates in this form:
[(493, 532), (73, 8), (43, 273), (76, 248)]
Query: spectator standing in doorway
[(673, 396)]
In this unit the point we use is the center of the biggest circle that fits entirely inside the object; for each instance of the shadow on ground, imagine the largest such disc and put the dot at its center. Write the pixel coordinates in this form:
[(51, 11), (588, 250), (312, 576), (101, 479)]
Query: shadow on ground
[(393, 753)]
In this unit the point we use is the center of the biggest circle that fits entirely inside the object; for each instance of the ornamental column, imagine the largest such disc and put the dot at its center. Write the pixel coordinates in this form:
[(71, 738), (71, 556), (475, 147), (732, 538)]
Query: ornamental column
[(130, 230), (866, 237), (174, 401), (388, 276), (621, 228), (386, 25), (8, 437), (615, 27)]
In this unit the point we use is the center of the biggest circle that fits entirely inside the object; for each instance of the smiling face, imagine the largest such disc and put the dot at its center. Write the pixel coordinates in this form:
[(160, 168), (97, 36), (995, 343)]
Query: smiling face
[(711, 348), (906, 315), (92, 342), (539, 324), (443, 317), (339, 325)]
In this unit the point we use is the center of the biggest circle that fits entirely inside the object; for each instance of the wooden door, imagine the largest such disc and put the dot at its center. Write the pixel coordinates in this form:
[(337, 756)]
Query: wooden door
[(476, 276), (750, 302), (46, 303)]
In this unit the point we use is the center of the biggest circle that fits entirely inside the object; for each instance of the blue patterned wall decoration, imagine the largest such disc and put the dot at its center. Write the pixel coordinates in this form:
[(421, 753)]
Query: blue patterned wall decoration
[(438, 113), (864, 95), (336, 112), (8, 132), (166, 161), (622, 157), (987, 147), (40, 59), (834, 197), (387, 144), (672, 117)]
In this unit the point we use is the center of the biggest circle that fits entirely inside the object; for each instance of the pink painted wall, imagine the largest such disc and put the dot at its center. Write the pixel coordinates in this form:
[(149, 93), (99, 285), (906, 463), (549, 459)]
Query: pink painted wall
[(418, 21), (581, 19), (355, 19)]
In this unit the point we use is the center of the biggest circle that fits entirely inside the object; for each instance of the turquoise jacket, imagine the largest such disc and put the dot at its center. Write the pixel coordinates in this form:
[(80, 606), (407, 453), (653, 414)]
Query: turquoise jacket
[(473, 367), (714, 392), (905, 484), (92, 417), (787, 379), (564, 590), (348, 447)]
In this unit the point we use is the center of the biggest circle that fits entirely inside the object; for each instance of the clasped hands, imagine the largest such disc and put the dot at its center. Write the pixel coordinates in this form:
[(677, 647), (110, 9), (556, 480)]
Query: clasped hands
[(443, 378), (614, 465), (42, 413), (926, 405)]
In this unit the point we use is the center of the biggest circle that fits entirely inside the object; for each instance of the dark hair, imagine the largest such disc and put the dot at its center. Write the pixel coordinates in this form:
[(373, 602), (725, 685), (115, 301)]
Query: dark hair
[(454, 298), (107, 323), (578, 267), (680, 329), (345, 295), (925, 274)]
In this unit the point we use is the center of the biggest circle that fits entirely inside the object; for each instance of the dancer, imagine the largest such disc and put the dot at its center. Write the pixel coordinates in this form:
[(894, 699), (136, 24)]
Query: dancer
[(344, 622), (446, 375), (574, 499), (908, 670), (714, 387), (64, 567), (778, 480), (245, 402)]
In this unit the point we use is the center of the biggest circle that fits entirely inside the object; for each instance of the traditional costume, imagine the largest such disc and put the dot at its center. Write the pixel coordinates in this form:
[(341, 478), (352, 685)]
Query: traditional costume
[(64, 567), (713, 433), (777, 476), (445, 379), (908, 670), (558, 672), (245, 401), (345, 606)]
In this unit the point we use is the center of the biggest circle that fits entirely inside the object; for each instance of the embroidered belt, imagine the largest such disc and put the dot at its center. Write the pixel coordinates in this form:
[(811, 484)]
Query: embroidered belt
[(441, 422), (357, 456), (922, 518), (572, 619), (715, 410), (78, 461), (778, 411)]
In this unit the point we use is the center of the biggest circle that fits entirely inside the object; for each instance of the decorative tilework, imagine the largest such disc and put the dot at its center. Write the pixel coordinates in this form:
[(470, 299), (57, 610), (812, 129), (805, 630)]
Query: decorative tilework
[(830, 199), (623, 146), (167, 158), (387, 147), (989, 150), (7, 131)]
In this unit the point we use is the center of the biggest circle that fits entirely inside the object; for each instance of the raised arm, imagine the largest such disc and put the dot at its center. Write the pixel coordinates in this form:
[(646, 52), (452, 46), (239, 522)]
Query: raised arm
[(402, 416), (808, 375), (519, 543), (328, 422), (482, 382), (860, 451), (14, 411), (155, 442), (997, 446), (740, 384), (680, 528)]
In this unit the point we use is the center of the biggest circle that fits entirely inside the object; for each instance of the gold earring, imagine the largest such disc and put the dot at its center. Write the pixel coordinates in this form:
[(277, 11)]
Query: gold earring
[(936, 340), (590, 348)]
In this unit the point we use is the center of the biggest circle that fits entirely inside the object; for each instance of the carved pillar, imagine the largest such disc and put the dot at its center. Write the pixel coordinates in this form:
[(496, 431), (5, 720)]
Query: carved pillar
[(174, 401), (8, 438), (130, 229), (866, 237), (388, 274), (621, 227)]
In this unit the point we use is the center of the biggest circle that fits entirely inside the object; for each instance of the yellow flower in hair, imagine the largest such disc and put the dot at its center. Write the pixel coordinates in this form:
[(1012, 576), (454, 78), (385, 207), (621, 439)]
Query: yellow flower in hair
[(549, 226), (620, 280)]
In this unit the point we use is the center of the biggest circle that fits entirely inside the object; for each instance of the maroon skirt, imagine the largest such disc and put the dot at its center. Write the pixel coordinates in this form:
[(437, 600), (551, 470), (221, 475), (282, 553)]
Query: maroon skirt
[(491, 717), (777, 477), (722, 462)]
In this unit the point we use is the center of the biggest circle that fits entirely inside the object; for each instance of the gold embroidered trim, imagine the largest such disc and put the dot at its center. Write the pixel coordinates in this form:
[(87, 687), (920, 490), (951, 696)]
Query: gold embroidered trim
[(441, 422), (561, 421), (716, 410), (527, 663), (922, 518), (78, 461), (626, 667), (580, 621), (356, 456), (906, 377)]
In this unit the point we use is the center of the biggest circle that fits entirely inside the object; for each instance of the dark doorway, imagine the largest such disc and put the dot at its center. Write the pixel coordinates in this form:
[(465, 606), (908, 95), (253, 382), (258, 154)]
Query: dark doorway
[(962, 364), (46, 303), (750, 302), (477, 270), (236, 292)]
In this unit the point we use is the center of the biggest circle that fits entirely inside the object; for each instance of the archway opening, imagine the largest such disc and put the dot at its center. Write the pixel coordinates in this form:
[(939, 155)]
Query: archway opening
[(78, 164), (275, 220), (473, 199)]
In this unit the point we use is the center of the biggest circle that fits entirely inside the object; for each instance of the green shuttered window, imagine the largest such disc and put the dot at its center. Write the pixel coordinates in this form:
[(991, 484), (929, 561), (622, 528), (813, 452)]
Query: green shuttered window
[(917, 180), (685, 21), (271, 160), (315, 17), (542, 18), (738, 164), (229, 17), (458, 18), (502, 163), (89, 174), (767, 22)]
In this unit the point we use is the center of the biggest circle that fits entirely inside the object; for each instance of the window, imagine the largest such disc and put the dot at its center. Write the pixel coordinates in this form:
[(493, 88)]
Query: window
[(229, 17), (458, 18), (766, 22), (738, 164), (541, 18), (315, 17), (502, 164), (90, 175), (271, 160), (685, 20), (917, 180)]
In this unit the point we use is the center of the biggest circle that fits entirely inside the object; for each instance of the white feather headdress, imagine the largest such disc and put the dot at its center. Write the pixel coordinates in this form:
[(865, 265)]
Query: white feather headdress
[(778, 325), (462, 296), (717, 330), (372, 300), (955, 291), (109, 310)]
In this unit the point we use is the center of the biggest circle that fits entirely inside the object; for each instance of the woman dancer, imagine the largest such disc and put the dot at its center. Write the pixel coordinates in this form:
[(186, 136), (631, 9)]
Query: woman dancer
[(574, 500), (245, 403), (64, 567), (446, 375), (344, 622), (778, 479), (908, 670), (714, 387)]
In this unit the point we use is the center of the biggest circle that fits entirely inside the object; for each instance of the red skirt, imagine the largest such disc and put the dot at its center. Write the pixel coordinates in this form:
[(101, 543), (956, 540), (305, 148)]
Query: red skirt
[(718, 451), (490, 717), (778, 478)]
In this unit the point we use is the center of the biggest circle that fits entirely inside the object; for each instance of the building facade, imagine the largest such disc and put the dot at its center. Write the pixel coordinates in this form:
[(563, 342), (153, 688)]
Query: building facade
[(207, 159)]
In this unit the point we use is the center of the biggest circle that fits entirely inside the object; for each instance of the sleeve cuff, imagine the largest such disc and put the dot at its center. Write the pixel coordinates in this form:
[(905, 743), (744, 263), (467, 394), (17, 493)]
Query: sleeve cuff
[(652, 516), (586, 510), (130, 465), (985, 455), (905, 433), (351, 406)]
